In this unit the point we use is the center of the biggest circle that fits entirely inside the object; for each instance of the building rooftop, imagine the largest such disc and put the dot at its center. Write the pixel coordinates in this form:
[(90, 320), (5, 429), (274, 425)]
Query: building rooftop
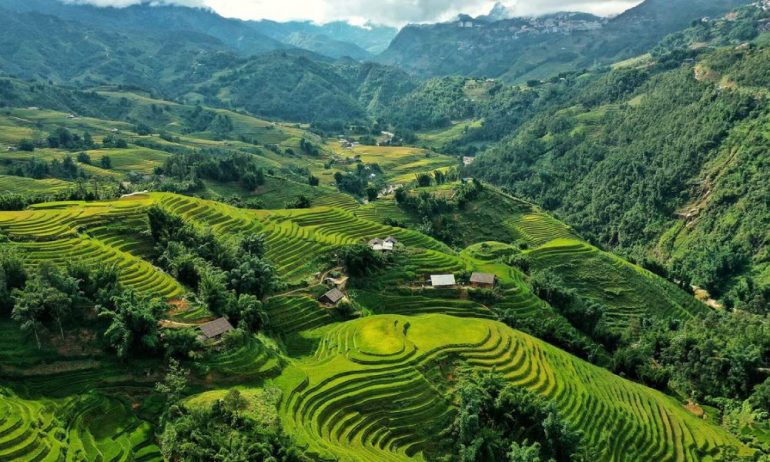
[(216, 328), (334, 295), (443, 280), (483, 278)]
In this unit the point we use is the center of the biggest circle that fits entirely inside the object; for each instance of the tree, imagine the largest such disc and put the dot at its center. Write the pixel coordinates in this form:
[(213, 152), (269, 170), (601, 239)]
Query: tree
[(313, 180), (28, 313), (249, 312), (84, 158), (48, 294), (180, 343), (372, 193), (143, 129), (174, 383), (524, 452), (253, 276), (105, 162), (302, 202), (424, 180), (234, 403), (497, 421), (254, 244), (212, 291), (133, 324), (26, 145), (361, 260), (250, 181)]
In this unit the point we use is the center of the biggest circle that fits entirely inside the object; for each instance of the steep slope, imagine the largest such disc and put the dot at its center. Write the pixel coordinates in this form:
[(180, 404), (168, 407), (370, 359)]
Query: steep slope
[(667, 148), (520, 49), (369, 392)]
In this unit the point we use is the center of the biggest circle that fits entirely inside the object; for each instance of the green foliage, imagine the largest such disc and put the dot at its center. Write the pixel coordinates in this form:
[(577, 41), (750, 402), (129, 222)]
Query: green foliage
[(253, 276), (224, 431), (132, 325), (360, 260), (499, 422)]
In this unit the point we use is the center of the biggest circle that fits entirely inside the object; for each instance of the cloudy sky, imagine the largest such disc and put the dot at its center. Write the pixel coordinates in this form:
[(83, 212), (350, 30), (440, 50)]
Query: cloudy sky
[(391, 12)]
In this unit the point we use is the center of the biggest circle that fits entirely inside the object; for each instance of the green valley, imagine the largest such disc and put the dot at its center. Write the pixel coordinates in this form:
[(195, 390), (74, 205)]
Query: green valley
[(523, 239)]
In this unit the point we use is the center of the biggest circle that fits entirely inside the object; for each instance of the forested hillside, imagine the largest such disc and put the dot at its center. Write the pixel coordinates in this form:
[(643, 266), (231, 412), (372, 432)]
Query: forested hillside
[(662, 164)]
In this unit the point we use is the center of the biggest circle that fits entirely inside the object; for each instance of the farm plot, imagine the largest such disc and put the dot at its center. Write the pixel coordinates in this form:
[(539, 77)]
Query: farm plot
[(626, 290), (83, 427), (370, 393), (21, 185)]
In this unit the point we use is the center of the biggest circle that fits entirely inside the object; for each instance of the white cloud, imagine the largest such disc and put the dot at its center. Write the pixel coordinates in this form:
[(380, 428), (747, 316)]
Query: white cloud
[(392, 12)]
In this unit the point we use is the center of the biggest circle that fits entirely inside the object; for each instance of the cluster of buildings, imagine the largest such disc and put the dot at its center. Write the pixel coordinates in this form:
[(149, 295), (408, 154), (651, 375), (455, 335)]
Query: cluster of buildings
[(478, 280), (387, 244)]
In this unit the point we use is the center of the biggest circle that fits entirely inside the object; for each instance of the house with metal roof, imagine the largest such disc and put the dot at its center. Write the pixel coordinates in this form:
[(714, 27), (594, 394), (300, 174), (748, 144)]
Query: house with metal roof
[(443, 280)]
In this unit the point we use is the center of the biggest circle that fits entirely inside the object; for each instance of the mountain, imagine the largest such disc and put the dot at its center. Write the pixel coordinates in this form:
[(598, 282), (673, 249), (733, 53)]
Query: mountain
[(521, 49), (155, 19), (659, 159), (290, 84), (336, 40)]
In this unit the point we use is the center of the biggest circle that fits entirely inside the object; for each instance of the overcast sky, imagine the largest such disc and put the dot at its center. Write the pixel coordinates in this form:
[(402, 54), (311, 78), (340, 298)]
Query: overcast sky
[(391, 12)]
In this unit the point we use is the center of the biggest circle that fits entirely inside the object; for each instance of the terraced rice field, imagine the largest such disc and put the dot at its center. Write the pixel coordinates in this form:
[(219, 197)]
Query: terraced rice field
[(249, 361), (381, 210), (84, 427), (58, 234), (627, 290), (538, 228), (399, 164), (140, 160), (21, 185), (289, 314), (369, 393), (423, 301)]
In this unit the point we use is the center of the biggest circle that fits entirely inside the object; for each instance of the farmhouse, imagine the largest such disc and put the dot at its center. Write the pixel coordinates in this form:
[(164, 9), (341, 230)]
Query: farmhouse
[(467, 160), (332, 297), (443, 280), (485, 280), (387, 244), (215, 329)]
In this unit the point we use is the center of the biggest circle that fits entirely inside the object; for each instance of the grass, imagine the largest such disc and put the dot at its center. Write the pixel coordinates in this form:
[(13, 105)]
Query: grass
[(84, 427), (442, 137), (628, 291), (21, 185), (369, 392), (400, 164)]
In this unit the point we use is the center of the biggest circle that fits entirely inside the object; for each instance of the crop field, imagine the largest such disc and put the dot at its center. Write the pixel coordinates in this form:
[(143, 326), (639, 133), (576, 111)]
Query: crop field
[(441, 137), (83, 427), (21, 185), (54, 233), (370, 389), (383, 209), (140, 160), (629, 291), (369, 392), (539, 228), (400, 164)]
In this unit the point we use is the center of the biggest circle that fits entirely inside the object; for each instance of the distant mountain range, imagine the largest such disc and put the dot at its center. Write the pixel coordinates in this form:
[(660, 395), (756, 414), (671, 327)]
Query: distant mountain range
[(335, 40), (518, 49)]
